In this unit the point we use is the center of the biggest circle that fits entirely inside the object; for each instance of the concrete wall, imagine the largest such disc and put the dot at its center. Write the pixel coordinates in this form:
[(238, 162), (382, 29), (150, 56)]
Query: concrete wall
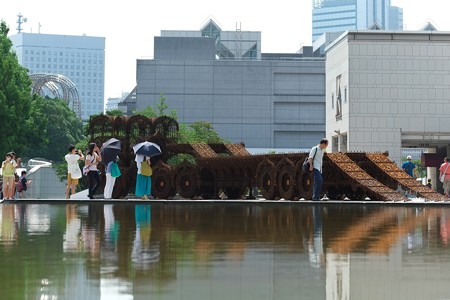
[(261, 103), (397, 88), (184, 48)]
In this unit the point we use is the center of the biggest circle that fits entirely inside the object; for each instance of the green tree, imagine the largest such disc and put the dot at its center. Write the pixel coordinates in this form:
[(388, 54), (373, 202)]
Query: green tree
[(114, 113), (15, 97), (198, 133), (53, 126), (159, 110)]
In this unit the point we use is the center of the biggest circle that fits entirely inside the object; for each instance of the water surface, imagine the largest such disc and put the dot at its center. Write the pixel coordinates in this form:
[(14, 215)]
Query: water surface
[(218, 251)]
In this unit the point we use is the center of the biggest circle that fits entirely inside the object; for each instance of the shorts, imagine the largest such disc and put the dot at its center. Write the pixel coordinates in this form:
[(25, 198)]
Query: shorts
[(71, 181), (446, 186)]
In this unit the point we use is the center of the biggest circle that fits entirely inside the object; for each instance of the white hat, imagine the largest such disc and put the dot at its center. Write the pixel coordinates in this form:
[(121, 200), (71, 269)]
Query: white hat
[(409, 157)]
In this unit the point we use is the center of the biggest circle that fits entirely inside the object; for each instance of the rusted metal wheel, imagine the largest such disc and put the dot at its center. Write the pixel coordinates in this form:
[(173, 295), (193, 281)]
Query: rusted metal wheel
[(356, 194), (286, 179), (162, 181), (266, 178), (234, 192), (186, 180), (334, 193), (305, 185), (207, 185)]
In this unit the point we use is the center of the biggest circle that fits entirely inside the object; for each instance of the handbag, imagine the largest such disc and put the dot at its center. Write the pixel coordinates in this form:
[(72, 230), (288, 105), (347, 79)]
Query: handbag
[(86, 168), (146, 170), (442, 177), (115, 170), (306, 166)]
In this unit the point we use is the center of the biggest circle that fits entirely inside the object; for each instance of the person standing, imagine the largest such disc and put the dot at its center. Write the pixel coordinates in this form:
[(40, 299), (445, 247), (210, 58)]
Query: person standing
[(315, 165), (73, 169), (110, 178), (409, 167), (23, 185), (444, 172), (93, 157), (144, 177), (9, 184)]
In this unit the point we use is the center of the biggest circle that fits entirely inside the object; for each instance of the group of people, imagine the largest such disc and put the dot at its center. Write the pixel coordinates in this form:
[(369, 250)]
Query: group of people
[(91, 161), (12, 183), (90, 169)]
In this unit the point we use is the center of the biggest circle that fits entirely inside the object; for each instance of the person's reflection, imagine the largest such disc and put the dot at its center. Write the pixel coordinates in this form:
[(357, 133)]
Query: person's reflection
[(90, 231), (73, 225), (8, 226), (445, 227), (111, 225), (143, 253), (315, 243)]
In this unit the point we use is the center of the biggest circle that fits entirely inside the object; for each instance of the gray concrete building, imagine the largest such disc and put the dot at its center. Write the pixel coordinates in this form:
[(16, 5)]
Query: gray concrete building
[(263, 100), (388, 90)]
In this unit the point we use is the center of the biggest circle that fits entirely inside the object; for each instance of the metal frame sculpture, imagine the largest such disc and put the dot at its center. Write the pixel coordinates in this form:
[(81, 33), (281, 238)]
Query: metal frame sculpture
[(230, 169), (60, 86)]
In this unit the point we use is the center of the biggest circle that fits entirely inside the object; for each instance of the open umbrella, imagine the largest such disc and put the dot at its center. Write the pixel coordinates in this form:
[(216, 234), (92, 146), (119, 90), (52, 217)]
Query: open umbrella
[(147, 148), (109, 150)]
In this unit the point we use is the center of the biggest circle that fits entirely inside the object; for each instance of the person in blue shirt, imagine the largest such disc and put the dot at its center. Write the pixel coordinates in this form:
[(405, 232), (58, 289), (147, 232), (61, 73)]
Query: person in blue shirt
[(409, 167)]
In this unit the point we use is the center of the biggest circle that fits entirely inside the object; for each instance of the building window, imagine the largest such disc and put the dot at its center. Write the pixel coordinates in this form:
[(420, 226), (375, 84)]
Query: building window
[(338, 98), (345, 94), (332, 100)]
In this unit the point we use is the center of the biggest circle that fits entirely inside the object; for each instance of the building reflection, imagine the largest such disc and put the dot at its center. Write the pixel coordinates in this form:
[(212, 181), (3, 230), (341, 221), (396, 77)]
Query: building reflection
[(128, 251)]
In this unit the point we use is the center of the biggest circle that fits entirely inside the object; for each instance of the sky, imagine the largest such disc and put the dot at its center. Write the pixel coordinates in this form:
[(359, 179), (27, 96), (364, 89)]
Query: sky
[(129, 26)]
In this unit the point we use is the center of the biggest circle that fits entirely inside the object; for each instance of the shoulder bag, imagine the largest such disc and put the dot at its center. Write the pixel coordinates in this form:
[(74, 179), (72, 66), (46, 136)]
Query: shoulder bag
[(442, 178), (306, 166)]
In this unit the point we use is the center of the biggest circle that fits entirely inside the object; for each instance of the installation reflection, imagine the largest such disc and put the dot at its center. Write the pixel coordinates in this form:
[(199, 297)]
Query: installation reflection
[(199, 251)]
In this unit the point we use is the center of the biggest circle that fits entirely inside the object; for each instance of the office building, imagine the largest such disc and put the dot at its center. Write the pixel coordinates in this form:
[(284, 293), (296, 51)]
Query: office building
[(264, 100), (80, 58), (342, 15)]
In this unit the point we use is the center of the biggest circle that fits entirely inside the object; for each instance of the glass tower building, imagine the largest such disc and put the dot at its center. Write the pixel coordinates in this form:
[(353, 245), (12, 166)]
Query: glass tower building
[(80, 58), (342, 15)]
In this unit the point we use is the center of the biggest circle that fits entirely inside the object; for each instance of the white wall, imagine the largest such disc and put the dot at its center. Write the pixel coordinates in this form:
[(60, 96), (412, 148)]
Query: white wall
[(398, 89)]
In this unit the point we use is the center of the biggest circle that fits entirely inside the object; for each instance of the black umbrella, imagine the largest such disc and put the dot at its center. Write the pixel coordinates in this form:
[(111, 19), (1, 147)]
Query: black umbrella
[(110, 149), (147, 148)]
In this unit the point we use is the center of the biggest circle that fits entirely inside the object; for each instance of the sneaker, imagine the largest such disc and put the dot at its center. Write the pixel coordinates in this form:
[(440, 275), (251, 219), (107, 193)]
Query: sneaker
[(144, 197)]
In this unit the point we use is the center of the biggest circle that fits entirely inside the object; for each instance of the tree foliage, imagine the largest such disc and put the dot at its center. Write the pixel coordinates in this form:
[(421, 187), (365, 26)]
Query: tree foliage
[(114, 113), (198, 133), (32, 126), (159, 110), (15, 97), (52, 128)]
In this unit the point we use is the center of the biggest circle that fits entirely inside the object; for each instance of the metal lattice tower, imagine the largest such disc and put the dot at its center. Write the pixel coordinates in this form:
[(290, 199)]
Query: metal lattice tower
[(60, 87)]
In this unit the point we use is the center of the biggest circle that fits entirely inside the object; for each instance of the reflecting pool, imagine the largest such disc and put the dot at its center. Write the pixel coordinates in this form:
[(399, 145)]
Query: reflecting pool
[(224, 251)]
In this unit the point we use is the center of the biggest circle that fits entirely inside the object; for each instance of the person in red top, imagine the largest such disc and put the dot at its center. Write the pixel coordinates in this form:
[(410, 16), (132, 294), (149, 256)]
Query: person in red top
[(445, 169)]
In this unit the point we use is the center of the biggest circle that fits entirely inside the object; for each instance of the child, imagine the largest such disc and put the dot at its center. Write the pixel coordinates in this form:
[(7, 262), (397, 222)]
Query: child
[(23, 185), (429, 184)]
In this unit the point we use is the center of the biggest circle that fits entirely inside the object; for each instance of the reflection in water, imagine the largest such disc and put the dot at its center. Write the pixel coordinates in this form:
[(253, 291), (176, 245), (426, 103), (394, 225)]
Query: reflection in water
[(214, 251)]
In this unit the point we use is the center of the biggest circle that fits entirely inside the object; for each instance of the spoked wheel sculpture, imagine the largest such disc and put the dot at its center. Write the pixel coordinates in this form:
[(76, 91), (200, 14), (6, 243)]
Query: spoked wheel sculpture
[(304, 182), (162, 181), (186, 180), (286, 179), (266, 178)]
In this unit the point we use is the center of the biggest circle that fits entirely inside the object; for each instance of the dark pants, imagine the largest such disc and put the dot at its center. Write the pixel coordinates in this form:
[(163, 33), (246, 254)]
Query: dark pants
[(318, 182), (94, 183)]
